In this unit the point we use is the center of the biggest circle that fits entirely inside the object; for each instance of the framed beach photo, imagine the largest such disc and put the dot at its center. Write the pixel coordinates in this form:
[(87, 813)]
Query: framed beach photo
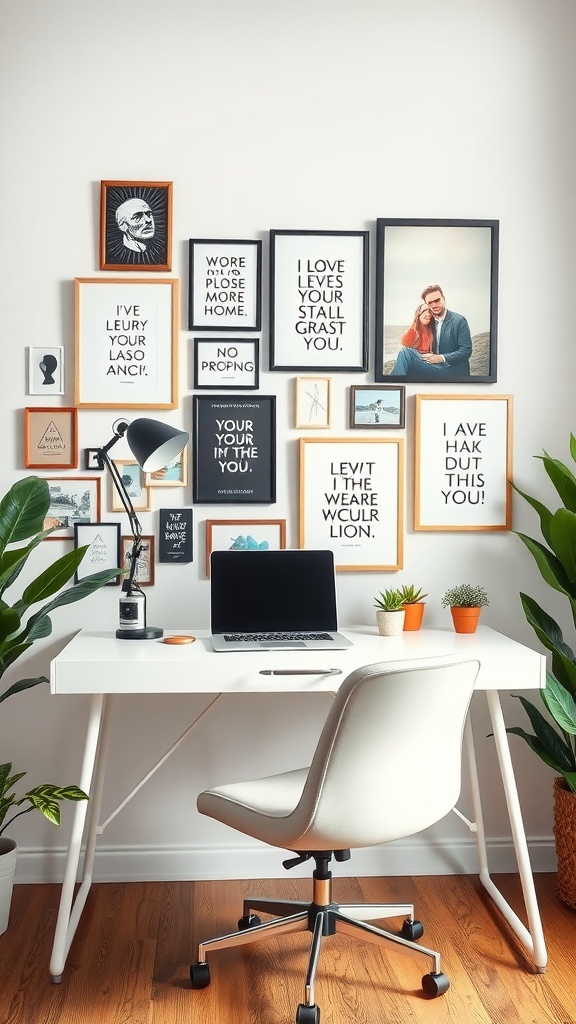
[(135, 225), (225, 284), (145, 565), (173, 474), (244, 535), (73, 499), (103, 551), (313, 396), (226, 363), (436, 301), (45, 370), (377, 407), (50, 438), (132, 476), (234, 455)]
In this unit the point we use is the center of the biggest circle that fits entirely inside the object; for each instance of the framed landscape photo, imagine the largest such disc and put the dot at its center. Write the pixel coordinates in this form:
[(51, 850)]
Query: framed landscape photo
[(225, 284), (126, 343), (234, 455), (135, 225), (463, 462), (173, 474), (244, 535), (132, 476), (226, 363), (73, 499), (145, 565), (313, 402), (319, 300), (50, 438), (103, 551), (377, 407), (45, 370), (352, 500), (436, 301)]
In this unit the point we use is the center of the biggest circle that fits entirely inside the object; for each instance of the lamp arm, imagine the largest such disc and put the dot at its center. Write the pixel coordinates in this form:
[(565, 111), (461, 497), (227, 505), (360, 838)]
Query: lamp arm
[(129, 585)]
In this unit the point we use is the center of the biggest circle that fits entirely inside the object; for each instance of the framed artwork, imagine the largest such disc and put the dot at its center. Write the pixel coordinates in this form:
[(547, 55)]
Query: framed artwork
[(103, 551), (244, 535), (377, 407), (73, 499), (226, 363), (319, 300), (50, 438), (145, 564), (132, 476), (234, 456), (463, 462), (351, 500), (312, 402), (135, 225), (45, 370), (173, 474), (126, 334), (175, 535), (436, 301), (92, 460), (225, 284)]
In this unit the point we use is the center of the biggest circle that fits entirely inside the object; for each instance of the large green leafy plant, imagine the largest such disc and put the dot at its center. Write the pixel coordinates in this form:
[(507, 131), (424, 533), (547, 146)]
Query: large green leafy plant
[(556, 559), (22, 513)]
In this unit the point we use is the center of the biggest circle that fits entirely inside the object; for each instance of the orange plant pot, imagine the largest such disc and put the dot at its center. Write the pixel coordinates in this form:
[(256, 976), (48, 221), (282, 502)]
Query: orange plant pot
[(465, 619), (413, 614)]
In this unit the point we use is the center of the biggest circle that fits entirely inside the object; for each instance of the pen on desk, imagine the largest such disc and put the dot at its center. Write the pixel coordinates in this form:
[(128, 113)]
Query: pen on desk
[(300, 671)]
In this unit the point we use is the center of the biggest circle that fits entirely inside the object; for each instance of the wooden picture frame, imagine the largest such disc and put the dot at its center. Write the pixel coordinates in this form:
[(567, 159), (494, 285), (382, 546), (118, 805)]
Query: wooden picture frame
[(145, 566), (126, 343), (377, 407), (103, 552), (244, 535), (45, 370), (226, 363), (73, 499), (135, 225), (225, 284), (313, 403), (352, 500), (463, 462), (50, 438), (133, 478), (234, 454), (173, 474)]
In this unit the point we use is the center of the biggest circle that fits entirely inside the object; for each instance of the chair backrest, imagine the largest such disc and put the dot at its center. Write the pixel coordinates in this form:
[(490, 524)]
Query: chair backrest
[(388, 761)]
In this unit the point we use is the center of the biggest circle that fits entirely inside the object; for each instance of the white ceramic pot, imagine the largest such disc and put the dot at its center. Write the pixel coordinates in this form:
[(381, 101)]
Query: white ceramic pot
[(8, 851), (390, 623)]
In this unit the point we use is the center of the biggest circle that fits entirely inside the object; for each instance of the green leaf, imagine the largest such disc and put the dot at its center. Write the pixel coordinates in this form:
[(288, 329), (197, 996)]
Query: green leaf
[(54, 577), (23, 684), (536, 746), (544, 513), (554, 745), (550, 567), (23, 510), (9, 622), (80, 590), (560, 704), (13, 561), (563, 480), (545, 626), (563, 540)]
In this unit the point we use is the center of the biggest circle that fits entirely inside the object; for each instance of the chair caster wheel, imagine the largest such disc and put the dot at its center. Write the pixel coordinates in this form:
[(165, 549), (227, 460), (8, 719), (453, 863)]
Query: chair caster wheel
[(435, 984), (248, 921), (200, 975), (412, 930), (308, 1014)]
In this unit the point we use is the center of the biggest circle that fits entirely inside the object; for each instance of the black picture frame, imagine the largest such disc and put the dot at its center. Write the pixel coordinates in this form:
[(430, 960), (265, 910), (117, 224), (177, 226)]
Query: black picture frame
[(226, 363), (234, 441), (224, 284), (175, 543), (460, 259), (377, 406), (138, 234), (319, 300)]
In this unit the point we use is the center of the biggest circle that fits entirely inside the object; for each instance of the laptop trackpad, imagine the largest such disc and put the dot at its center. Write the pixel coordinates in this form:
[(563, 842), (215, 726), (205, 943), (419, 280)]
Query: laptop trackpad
[(282, 644)]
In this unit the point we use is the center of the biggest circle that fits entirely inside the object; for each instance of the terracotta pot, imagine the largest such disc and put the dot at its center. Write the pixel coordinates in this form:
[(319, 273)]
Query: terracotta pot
[(390, 623), (413, 614), (465, 619), (565, 838)]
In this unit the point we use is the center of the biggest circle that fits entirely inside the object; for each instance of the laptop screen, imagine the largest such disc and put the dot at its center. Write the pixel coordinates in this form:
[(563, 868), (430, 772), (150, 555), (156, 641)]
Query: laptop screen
[(272, 591)]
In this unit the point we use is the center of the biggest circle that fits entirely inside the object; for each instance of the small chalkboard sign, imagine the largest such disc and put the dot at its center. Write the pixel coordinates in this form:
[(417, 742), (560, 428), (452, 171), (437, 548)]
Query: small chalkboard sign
[(175, 535)]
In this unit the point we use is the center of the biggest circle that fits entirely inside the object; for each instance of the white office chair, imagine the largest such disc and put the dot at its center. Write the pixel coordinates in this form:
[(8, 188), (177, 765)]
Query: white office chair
[(387, 765)]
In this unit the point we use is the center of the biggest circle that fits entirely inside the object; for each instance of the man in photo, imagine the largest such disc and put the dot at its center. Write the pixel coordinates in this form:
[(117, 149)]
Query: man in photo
[(136, 222), (451, 347)]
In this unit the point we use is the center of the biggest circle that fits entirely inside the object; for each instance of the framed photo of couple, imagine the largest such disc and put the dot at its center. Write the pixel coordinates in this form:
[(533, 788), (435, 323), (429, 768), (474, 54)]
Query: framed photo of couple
[(436, 301)]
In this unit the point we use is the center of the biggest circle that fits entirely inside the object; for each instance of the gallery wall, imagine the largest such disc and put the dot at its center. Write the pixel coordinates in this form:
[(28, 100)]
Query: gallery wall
[(309, 115)]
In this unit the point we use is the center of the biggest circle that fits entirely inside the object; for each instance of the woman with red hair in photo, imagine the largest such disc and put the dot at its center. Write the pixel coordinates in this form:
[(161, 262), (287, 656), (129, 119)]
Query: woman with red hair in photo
[(420, 334)]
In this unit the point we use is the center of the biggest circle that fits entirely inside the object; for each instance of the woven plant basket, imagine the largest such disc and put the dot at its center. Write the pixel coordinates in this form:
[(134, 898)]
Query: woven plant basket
[(565, 837)]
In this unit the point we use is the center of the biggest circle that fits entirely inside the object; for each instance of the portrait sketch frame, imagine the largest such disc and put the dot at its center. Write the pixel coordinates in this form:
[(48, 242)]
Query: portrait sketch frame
[(319, 300), (176, 473), (50, 437), (463, 462), (138, 491), (459, 257), (149, 255), (235, 463), (80, 491), (224, 372), (53, 375), (313, 409), (108, 557), (145, 567), (269, 531), (362, 524), (243, 315), (390, 417), (126, 343)]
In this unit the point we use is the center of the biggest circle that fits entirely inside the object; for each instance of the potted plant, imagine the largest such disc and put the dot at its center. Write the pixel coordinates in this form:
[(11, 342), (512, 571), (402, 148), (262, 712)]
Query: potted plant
[(465, 603), (390, 612), (413, 604), (23, 511), (555, 744)]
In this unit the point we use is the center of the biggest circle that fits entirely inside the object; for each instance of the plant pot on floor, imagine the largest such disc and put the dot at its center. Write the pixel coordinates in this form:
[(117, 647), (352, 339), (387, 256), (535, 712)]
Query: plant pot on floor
[(465, 619), (8, 851), (390, 623), (413, 615), (565, 838)]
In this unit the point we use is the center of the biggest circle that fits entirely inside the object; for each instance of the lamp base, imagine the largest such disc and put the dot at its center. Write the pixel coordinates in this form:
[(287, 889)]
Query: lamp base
[(149, 633)]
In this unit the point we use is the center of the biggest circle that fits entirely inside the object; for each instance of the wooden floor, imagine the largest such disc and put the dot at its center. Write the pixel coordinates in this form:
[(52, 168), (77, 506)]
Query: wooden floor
[(129, 961)]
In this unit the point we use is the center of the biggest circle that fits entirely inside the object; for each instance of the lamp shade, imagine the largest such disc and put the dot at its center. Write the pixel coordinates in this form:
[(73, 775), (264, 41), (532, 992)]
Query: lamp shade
[(154, 444)]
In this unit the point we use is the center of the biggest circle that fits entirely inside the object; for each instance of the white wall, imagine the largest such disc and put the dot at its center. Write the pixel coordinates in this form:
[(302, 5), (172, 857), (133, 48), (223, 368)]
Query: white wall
[(265, 114)]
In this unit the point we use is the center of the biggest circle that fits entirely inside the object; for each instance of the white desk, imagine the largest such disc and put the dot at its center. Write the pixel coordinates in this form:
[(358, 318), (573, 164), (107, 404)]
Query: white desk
[(98, 664)]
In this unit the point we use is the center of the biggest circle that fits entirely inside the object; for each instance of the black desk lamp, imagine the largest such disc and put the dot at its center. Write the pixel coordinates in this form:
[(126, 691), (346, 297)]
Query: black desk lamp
[(153, 445)]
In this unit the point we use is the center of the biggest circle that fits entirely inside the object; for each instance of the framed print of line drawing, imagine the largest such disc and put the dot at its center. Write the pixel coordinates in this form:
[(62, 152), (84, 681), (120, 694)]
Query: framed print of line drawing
[(45, 371), (135, 225), (234, 456), (436, 301), (351, 500), (226, 363), (173, 474), (132, 477), (244, 535), (73, 499), (50, 438), (312, 402), (319, 300), (225, 284), (145, 564), (463, 462), (103, 551), (377, 407), (126, 343)]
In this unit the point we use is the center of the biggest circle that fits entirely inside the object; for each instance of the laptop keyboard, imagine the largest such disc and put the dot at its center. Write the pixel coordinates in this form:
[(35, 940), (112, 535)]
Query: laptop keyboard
[(256, 637)]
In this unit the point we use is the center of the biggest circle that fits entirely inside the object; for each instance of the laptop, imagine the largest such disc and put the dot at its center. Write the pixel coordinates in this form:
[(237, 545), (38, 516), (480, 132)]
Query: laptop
[(274, 600)]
